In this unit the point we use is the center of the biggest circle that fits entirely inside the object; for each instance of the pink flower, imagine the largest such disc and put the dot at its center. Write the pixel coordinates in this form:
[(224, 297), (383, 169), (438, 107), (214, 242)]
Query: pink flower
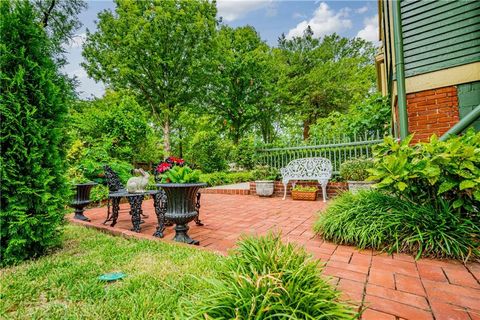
[(164, 166)]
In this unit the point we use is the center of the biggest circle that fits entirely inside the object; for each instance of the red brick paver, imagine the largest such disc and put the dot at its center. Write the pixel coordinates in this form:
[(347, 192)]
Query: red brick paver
[(390, 287)]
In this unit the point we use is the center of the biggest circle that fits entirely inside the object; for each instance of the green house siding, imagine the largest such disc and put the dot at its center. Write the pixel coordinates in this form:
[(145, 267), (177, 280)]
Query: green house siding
[(440, 34), (468, 99)]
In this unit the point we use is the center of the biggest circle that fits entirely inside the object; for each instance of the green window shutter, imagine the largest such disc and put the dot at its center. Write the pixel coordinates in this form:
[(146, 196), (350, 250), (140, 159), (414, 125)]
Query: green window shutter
[(440, 34), (468, 99)]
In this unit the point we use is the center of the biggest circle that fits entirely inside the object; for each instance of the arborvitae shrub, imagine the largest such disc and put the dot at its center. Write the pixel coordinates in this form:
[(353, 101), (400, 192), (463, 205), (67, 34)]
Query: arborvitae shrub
[(33, 104)]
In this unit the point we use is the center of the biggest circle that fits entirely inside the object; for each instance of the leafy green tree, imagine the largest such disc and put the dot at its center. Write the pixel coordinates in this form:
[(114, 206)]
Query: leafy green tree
[(368, 117), (60, 20), (201, 142), (34, 104), (154, 48), (241, 80), (119, 123), (324, 75)]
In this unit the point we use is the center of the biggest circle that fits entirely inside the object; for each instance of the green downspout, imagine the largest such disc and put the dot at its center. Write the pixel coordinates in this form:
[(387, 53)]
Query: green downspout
[(462, 124), (400, 69)]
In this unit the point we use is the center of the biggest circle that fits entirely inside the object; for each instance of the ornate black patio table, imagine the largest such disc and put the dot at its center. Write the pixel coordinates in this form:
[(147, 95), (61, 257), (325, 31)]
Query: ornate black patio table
[(135, 200)]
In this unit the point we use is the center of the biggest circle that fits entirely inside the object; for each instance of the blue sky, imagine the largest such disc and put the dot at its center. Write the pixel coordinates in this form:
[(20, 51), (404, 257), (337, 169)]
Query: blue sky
[(271, 18)]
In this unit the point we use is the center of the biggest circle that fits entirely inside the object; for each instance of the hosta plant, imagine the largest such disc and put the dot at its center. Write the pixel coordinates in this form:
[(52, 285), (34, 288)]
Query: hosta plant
[(431, 172), (179, 174)]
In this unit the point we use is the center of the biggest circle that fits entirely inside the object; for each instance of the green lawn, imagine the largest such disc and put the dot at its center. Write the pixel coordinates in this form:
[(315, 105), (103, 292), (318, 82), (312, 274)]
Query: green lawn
[(64, 285)]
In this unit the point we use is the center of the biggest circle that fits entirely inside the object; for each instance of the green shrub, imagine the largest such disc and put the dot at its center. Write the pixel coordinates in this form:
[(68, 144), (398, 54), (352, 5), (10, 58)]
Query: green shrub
[(88, 164), (245, 153), (431, 172), (241, 176), (119, 124), (215, 179), (221, 178), (356, 169), (372, 219), (207, 152), (265, 279), (34, 101), (99, 193), (265, 173)]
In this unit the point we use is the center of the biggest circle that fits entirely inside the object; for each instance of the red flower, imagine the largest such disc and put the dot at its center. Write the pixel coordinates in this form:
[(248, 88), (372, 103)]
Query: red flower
[(175, 160), (164, 166)]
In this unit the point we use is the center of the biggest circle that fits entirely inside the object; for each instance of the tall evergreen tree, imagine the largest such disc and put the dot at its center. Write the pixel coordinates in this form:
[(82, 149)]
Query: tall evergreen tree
[(34, 102)]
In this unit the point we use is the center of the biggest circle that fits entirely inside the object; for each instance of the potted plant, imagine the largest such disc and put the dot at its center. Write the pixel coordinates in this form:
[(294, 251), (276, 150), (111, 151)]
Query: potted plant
[(265, 177), (300, 192), (356, 173), (181, 186)]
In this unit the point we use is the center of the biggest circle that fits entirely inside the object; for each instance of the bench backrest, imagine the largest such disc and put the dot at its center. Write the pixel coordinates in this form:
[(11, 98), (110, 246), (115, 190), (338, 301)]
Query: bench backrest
[(307, 169)]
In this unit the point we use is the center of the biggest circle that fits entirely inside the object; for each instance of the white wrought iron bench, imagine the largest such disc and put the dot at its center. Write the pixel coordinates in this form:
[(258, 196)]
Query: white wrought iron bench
[(319, 169)]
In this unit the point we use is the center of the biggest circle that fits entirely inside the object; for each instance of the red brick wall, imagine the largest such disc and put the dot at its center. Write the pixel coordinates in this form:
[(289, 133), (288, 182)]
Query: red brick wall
[(432, 111)]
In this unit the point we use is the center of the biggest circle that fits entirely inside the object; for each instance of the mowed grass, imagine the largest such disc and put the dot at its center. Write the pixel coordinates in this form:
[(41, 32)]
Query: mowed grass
[(64, 285)]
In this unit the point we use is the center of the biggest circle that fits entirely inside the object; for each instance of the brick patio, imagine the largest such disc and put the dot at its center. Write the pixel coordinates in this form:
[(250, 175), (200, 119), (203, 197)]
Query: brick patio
[(392, 287)]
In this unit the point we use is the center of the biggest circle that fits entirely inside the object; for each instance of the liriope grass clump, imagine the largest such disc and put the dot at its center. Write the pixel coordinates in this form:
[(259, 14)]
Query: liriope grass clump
[(266, 279), (373, 219)]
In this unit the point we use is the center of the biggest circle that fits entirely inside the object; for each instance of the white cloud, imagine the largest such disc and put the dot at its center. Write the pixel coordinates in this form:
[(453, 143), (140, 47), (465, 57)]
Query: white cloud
[(370, 29), (297, 15), (324, 21), (77, 41), (362, 10), (231, 10)]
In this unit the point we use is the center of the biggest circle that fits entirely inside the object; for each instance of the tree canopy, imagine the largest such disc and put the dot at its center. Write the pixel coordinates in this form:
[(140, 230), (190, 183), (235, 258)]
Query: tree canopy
[(324, 75), (155, 49)]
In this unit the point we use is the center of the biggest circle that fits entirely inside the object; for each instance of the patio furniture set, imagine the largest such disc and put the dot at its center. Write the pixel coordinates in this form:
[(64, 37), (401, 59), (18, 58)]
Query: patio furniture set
[(179, 203), (175, 213)]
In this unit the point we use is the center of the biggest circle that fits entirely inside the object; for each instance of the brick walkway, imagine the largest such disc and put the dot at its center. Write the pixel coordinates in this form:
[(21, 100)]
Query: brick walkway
[(392, 287)]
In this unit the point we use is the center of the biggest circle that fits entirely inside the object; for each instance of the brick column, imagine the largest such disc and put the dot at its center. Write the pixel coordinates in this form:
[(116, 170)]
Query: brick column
[(432, 112)]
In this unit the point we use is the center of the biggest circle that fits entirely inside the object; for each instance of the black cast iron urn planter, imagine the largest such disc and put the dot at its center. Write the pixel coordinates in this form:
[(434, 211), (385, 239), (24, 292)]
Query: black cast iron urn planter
[(81, 199), (182, 207)]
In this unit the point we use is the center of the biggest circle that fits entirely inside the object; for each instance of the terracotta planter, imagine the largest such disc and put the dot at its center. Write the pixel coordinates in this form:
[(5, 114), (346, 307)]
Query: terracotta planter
[(355, 186), (304, 195)]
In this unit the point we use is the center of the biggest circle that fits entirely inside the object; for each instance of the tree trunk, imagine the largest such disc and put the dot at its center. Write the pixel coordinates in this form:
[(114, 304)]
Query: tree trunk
[(166, 137), (306, 130), (180, 144)]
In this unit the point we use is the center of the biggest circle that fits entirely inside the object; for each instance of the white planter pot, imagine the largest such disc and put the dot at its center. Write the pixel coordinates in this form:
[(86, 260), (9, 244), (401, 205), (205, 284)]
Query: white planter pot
[(264, 188), (355, 186)]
